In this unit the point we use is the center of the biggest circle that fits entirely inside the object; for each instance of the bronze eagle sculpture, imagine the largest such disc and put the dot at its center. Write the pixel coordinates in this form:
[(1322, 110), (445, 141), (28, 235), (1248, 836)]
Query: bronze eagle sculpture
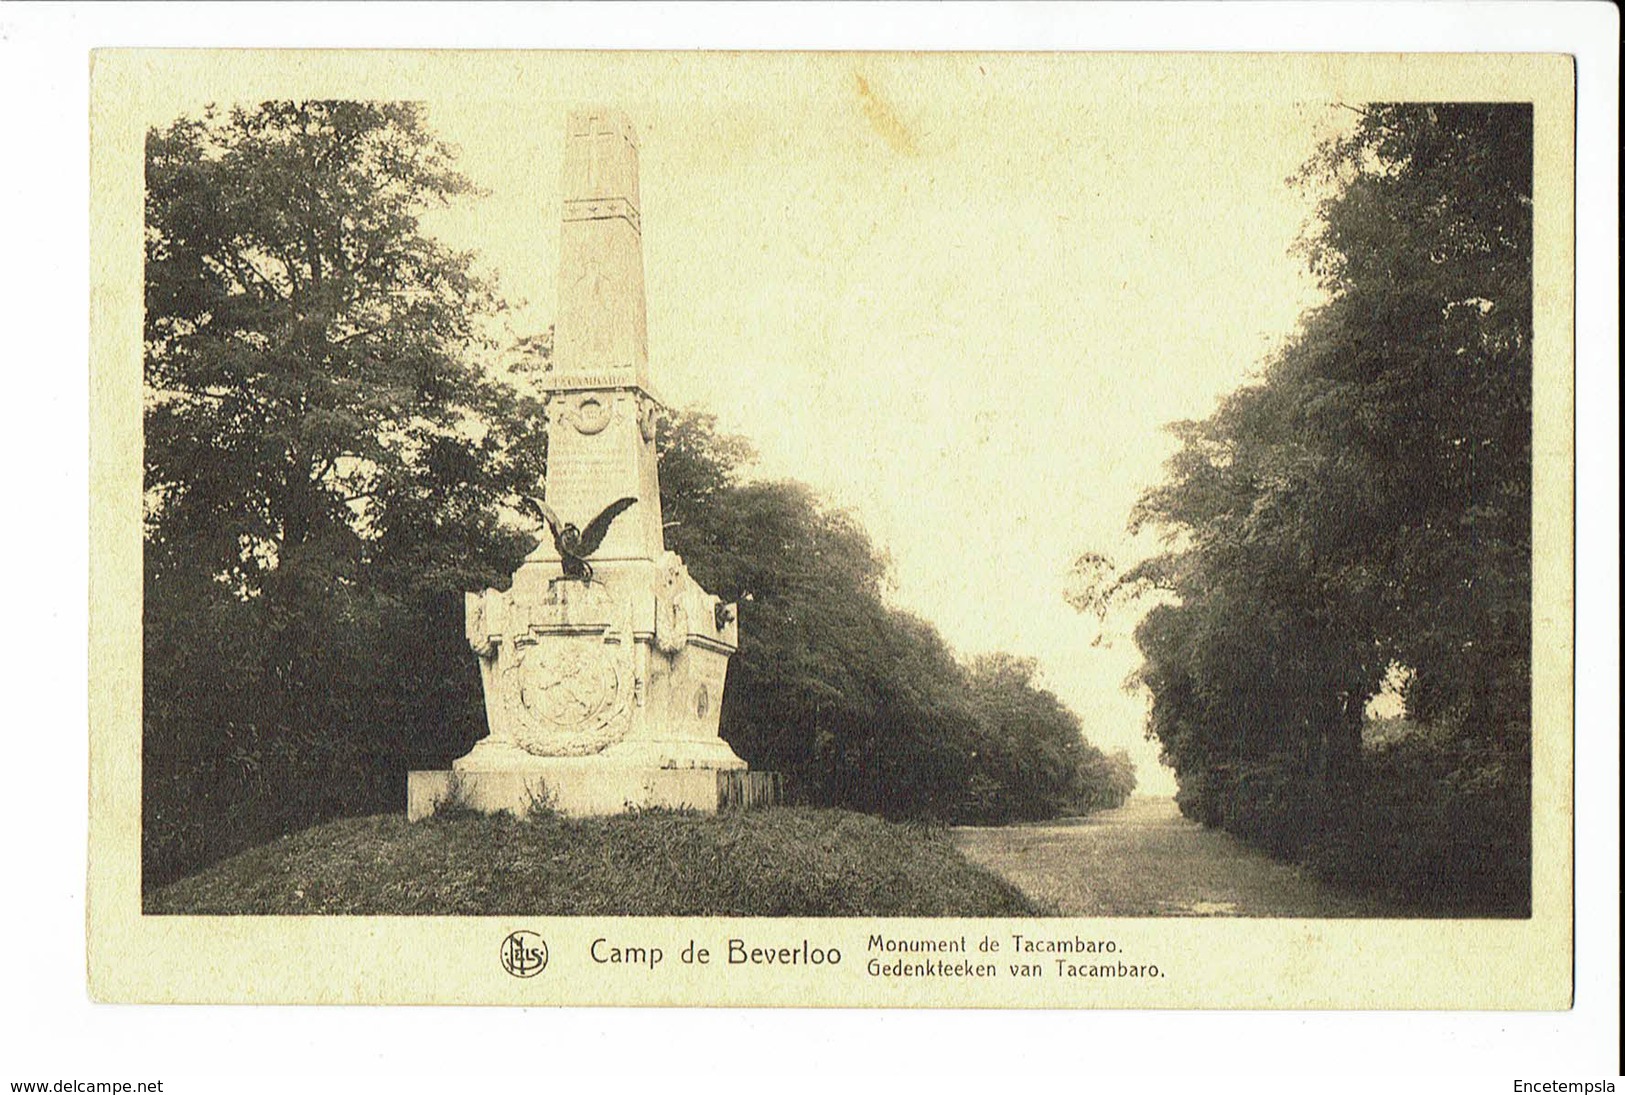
[(573, 544)]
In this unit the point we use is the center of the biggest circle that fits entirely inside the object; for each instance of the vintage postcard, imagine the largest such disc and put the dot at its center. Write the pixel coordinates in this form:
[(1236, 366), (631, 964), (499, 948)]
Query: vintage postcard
[(869, 530)]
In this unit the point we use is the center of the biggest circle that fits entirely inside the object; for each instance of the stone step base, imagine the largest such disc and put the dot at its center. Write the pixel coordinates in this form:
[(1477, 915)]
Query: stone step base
[(582, 787)]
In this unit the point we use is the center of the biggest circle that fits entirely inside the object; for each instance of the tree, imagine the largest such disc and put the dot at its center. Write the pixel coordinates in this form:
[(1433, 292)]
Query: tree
[(861, 704), (1427, 248), (1105, 780), (325, 467), (1029, 748), (309, 352), (1368, 502)]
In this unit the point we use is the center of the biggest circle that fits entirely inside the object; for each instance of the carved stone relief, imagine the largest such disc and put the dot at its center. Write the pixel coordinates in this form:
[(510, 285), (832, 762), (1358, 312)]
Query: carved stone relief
[(648, 418), (671, 607), (568, 695)]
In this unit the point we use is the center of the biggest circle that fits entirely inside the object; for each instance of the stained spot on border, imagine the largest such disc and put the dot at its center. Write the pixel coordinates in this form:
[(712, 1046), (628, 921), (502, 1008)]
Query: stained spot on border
[(883, 119)]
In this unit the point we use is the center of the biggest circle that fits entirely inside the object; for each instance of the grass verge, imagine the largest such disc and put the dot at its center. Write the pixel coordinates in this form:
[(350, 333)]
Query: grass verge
[(777, 862)]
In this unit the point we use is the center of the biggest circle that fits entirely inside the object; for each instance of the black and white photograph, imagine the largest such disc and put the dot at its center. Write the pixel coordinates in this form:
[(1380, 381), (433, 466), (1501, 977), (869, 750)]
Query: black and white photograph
[(903, 505)]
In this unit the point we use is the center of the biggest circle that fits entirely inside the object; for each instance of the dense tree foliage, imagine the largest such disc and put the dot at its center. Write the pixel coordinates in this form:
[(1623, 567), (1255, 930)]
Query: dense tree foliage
[(1031, 759), (324, 467), (861, 704), (313, 395), (1366, 505)]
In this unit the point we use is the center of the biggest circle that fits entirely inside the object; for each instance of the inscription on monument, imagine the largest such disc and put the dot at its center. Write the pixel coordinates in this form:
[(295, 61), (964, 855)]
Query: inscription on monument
[(563, 380), (600, 471)]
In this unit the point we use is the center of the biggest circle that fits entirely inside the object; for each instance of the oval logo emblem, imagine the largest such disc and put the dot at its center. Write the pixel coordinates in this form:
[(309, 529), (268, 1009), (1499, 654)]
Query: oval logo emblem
[(524, 954)]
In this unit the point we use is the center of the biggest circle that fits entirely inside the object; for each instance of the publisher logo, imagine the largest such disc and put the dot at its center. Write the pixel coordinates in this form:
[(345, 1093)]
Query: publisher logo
[(524, 954)]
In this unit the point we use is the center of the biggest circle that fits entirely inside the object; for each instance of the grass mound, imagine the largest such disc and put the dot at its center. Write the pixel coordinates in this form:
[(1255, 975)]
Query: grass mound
[(779, 862)]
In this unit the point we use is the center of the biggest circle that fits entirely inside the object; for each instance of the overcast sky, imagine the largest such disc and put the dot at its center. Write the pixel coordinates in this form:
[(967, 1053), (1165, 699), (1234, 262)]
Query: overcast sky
[(961, 301)]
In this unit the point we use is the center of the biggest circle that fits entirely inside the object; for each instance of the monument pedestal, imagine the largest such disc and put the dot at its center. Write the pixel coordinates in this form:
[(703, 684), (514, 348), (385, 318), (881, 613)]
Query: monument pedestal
[(602, 695), (586, 787)]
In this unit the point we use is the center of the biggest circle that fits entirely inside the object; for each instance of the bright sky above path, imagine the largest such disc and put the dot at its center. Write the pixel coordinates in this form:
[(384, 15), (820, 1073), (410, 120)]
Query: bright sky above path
[(961, 302)]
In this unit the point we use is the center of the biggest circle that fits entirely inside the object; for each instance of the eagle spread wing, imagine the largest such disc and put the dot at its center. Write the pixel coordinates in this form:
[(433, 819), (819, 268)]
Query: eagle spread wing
[(544, 511), (598, 527)]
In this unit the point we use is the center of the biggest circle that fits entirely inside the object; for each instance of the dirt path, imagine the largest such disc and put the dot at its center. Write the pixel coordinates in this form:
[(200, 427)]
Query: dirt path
[(1144, 859)]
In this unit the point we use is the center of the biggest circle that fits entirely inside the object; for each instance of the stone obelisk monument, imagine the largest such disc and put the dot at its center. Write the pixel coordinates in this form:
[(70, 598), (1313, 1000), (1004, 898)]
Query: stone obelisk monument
[(603, 686)]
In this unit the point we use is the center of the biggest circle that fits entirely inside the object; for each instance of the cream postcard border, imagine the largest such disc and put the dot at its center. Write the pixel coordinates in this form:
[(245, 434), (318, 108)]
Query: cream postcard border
[(1207, 963)]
